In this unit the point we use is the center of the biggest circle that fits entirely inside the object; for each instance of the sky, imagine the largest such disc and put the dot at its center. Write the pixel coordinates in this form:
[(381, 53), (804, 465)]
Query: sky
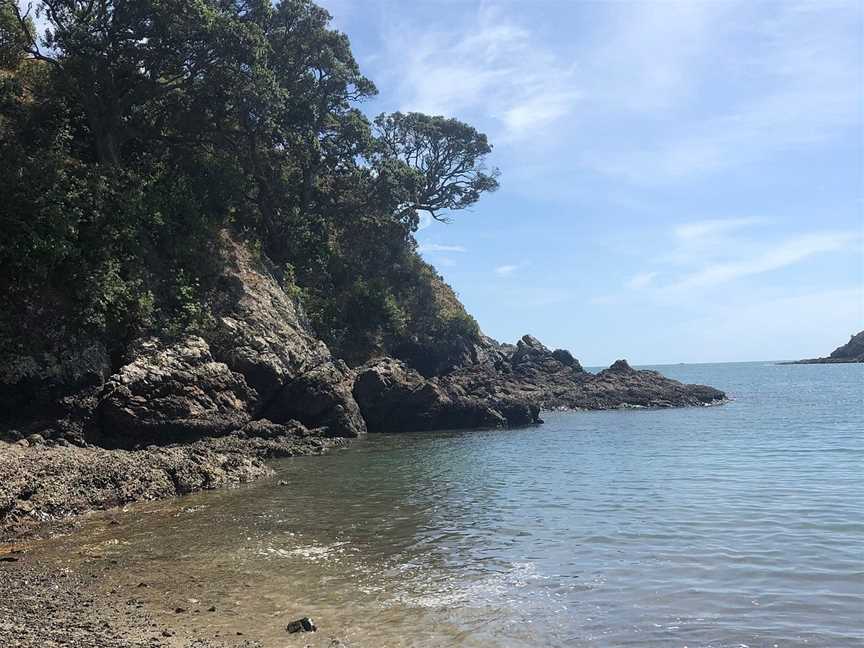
[(680, 181)]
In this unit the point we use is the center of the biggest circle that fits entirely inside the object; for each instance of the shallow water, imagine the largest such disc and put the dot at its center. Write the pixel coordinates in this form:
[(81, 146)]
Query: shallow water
[(740, 525)]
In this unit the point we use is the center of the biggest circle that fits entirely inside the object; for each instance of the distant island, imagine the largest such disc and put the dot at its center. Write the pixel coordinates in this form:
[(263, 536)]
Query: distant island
[(852, 351)]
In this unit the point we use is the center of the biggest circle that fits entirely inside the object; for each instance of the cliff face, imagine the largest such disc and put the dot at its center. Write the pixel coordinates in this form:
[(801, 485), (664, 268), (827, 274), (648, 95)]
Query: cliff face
[(852, 351), (258, 363)]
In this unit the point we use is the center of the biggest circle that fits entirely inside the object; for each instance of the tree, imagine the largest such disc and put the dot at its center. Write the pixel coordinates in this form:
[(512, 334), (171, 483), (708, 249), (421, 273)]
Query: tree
[(443, 161)]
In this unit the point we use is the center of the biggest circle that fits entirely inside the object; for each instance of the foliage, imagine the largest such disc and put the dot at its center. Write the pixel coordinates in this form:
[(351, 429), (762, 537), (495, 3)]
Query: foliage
[(442, 157), (131, 132)]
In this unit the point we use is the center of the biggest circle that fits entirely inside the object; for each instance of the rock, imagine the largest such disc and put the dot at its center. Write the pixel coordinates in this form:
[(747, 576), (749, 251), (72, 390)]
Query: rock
[(566, 358), (852, 351), (173, 391), (302, 625), (263, 334), (620, 366), (396, 398), (266, 429), (37, 485), (36, 440), (321, 398), (531, 374)]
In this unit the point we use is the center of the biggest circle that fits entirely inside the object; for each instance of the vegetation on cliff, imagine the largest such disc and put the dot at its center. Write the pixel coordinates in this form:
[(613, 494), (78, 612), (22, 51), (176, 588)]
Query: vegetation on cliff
[(852, 351), (132, 133)]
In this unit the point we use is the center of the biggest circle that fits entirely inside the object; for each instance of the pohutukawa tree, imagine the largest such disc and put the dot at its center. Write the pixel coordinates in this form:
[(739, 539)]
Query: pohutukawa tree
[(445, 159), (132, 130)]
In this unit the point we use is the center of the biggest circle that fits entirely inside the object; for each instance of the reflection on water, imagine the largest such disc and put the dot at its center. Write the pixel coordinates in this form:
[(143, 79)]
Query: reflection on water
[(730, 526)]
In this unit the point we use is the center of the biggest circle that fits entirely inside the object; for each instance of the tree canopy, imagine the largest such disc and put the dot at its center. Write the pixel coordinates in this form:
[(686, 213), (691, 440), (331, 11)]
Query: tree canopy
[(130, 132)]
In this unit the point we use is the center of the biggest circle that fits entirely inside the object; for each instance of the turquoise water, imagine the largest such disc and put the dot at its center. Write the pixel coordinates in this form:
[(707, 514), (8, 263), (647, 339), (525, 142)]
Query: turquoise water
[(740, 525)]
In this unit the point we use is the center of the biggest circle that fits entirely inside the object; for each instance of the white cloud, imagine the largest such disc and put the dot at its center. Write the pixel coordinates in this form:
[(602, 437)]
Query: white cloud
[(493, 67), (507, 270), (789, 252), (435, 247), (641, 280), (650, 54), (711, 228)]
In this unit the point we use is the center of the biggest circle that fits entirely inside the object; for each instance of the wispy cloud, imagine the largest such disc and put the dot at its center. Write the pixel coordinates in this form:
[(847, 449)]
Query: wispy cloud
[(711, 228), (507, 270), (436, 247), (641, 280), (796, 85), (492, 66), (786, 253)]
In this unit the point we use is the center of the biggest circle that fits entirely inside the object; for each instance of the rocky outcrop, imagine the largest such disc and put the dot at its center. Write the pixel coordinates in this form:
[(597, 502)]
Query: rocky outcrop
[(396, 398), (261, 333), (852, 351), (530, 372), (171, 392), (508, 386), (259, 361)]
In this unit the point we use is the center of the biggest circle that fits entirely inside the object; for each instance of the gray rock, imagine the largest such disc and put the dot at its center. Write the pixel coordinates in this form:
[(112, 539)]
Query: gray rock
[(396, 398), (263, 335), (531, 374), (172, 391)]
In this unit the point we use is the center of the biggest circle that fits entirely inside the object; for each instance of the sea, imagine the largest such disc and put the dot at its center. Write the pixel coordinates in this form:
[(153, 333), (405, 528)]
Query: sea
[(739, 525)]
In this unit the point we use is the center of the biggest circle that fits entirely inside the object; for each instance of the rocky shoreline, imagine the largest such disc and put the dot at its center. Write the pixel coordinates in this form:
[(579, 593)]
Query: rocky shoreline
[(83, 430), (43, 483)]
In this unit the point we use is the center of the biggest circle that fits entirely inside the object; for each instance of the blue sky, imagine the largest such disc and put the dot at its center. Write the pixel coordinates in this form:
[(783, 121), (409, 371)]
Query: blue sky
[(681, 181)]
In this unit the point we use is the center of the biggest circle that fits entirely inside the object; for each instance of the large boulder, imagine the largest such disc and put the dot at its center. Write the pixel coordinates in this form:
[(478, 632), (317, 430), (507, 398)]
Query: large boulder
[(262, 333), (395, 398), (173, 390), (320, 398)]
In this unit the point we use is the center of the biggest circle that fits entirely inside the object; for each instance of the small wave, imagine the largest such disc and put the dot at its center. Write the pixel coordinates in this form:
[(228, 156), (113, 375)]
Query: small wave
[(312, 553)]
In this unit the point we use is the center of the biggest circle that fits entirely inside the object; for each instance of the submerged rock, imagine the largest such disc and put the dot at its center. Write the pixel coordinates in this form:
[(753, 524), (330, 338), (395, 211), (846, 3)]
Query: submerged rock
[(302, 625)]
